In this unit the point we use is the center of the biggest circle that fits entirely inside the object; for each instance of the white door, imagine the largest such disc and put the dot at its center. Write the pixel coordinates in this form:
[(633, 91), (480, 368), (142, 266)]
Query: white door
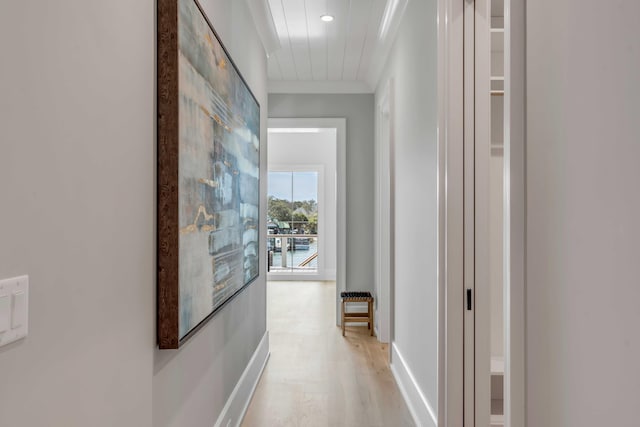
[(479, 229), (469, 181), (493, 327)]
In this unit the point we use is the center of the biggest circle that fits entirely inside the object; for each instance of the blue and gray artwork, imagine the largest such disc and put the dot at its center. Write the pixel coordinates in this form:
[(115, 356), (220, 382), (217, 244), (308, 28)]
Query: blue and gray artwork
[(218, 172)]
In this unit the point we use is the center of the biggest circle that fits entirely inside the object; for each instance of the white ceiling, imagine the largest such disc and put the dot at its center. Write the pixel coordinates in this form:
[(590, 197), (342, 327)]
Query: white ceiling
[(335, 54)]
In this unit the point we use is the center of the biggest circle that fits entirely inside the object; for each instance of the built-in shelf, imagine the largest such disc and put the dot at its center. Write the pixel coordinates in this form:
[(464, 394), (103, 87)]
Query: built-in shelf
[(497, 413), (497, 420), (497, 22), (497, 39), (497, 363), (497, 83), (497, 401), (497, 86)]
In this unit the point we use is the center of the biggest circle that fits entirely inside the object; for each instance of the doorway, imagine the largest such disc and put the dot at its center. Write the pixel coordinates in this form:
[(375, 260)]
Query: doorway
[(297, 169), (301, 235)]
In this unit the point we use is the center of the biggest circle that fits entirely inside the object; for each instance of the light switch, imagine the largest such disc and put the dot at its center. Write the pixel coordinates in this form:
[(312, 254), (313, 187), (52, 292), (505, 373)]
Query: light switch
[(5, 312), (14, 309), (19, 309)]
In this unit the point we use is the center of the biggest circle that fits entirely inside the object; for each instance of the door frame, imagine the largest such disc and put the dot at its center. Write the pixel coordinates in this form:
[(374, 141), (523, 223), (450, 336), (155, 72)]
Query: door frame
[(384, 215), (515, 212), (451, 212), (340, 124)]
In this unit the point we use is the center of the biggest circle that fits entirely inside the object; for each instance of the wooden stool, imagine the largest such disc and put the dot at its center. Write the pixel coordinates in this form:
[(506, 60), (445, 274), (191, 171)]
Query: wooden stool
[(357, 317)]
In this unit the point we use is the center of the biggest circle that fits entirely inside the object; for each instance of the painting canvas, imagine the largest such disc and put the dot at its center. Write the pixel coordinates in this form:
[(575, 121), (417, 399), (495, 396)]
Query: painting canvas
[(208, 174)]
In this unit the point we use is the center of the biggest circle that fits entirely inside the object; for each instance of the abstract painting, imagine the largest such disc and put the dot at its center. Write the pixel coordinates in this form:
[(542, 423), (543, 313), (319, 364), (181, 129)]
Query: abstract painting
[(208, 174)]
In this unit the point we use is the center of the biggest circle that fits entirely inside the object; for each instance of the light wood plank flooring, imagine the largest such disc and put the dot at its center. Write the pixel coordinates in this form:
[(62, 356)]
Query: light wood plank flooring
[(316, 377)]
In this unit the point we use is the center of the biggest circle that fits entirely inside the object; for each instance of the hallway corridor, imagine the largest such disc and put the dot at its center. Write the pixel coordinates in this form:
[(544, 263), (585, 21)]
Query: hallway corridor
[(314, 376)]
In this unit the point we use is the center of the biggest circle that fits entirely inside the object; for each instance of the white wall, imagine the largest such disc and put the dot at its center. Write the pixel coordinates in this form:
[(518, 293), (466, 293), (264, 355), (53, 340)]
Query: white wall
[(312, 150), (583, 208), (77, 166), (77, 186), (412, 65), (359, 113)]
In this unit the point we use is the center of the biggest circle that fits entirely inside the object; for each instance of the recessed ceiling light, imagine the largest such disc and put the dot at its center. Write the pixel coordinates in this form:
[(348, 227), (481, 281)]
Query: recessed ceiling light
[(327, 18)]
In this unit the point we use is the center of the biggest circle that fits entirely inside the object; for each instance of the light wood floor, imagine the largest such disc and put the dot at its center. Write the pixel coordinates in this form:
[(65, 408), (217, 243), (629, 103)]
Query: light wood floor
[(316, 377)]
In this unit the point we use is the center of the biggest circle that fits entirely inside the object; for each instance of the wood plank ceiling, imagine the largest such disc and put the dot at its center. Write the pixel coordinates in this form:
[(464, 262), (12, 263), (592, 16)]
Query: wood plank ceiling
[(313, 50)]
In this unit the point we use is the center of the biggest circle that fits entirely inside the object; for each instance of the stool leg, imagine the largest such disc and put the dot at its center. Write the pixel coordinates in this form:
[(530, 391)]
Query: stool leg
[(342, 305), (371, 316)]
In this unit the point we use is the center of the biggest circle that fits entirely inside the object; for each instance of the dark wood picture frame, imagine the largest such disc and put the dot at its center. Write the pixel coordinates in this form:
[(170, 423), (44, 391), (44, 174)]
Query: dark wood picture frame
[(168, 192)]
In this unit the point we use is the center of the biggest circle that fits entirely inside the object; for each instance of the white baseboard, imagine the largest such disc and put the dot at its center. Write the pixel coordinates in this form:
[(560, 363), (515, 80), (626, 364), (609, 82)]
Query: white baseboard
[(237, 404), (419, 406)]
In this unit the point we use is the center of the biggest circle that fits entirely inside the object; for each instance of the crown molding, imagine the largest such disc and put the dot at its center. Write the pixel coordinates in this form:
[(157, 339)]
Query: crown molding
[(319, 86), (387, 33), (263, 20)]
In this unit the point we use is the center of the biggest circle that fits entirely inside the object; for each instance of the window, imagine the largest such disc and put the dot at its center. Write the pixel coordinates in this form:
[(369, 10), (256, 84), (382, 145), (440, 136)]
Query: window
[(292, 210)]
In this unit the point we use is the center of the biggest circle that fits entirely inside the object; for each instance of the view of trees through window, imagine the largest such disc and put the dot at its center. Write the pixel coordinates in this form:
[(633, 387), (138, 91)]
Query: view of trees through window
[(292, 208), (302, 216)]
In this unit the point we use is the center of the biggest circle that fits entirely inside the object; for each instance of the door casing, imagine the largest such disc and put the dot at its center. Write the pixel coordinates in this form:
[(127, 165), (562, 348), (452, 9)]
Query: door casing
[(384, 215)]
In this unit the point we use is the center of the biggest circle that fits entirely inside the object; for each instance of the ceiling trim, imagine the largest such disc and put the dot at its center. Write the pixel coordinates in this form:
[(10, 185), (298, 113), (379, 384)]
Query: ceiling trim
[(393, 14), (263, 20), (319, 86)]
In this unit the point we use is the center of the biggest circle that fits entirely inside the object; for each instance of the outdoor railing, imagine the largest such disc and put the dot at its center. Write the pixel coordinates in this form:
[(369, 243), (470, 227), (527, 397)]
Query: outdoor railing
[(281, 246)]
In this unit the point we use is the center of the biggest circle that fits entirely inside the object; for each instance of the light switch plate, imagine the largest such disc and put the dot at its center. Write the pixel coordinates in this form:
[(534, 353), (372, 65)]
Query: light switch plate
[(14, 309), (5, 312), (18, 307)]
